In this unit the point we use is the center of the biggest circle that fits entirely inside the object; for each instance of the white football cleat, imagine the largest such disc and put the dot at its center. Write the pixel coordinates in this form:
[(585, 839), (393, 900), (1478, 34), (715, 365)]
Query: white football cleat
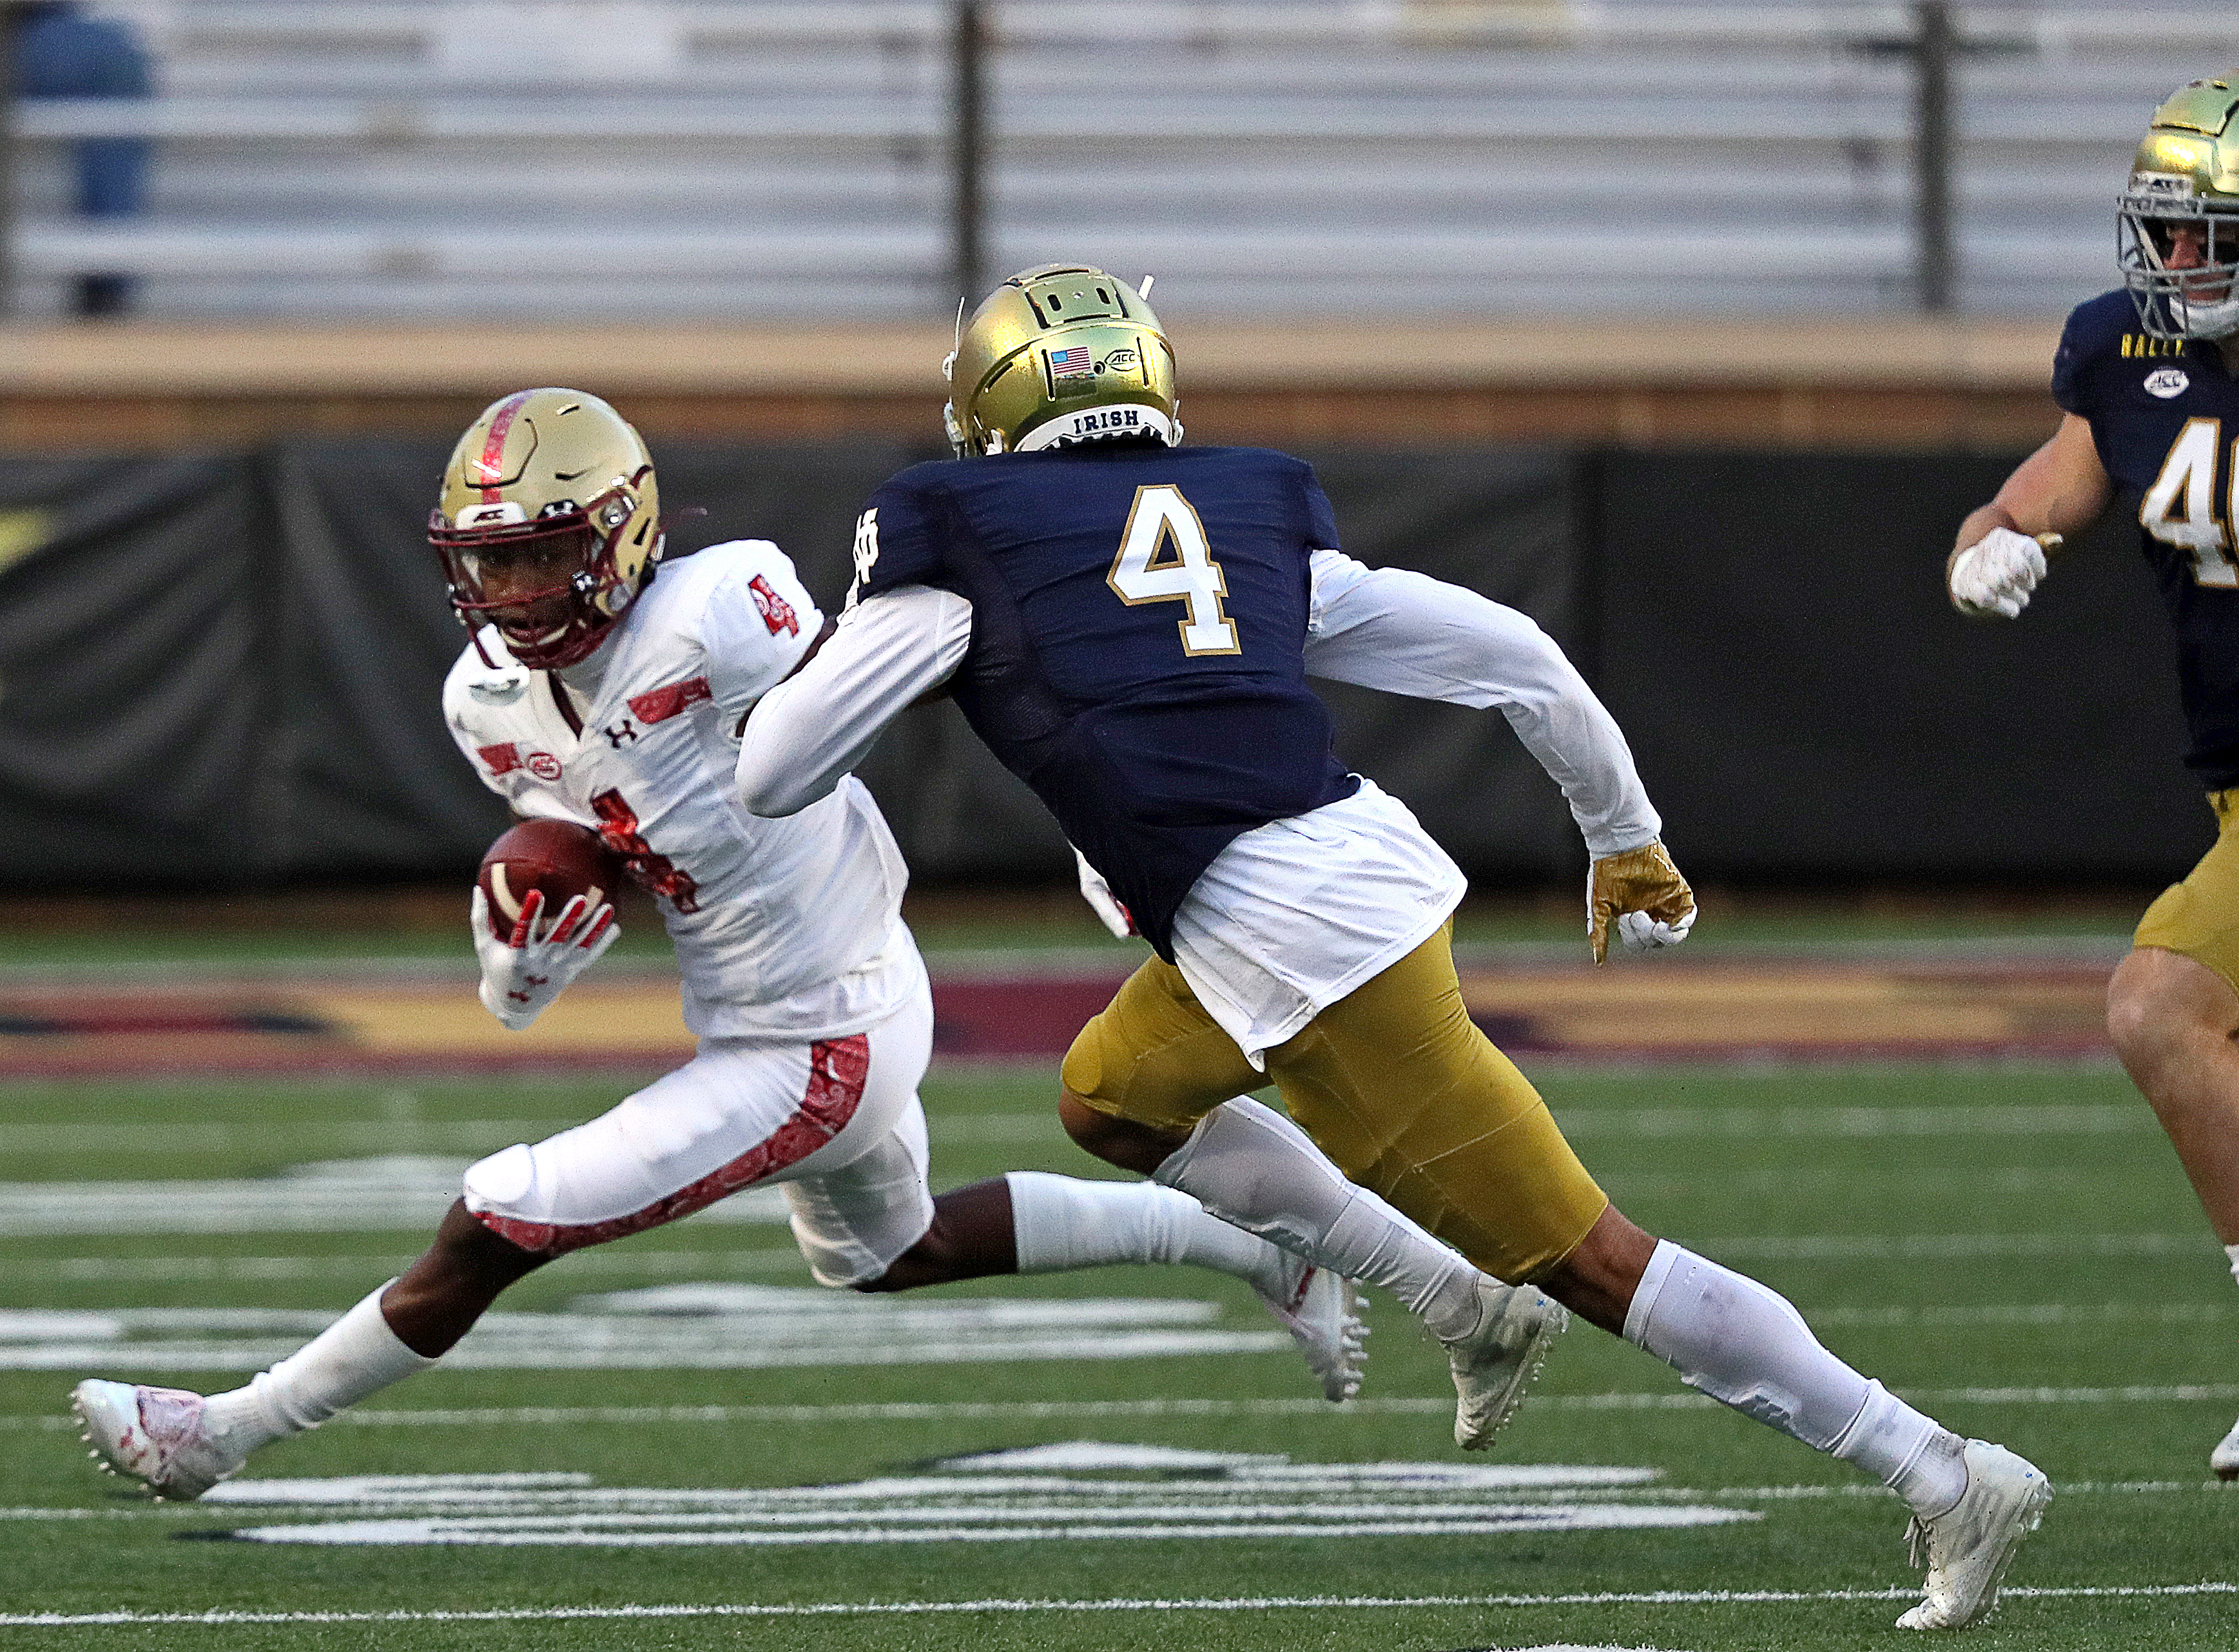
[(1967, 1547), (1494, 1365), (1322, 1312), (2224, 1460), (154, 1436)]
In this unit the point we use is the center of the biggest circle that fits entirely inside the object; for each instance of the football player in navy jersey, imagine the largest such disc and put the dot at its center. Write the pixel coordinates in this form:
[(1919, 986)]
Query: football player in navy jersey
[(1129, 624), (2147, 380)]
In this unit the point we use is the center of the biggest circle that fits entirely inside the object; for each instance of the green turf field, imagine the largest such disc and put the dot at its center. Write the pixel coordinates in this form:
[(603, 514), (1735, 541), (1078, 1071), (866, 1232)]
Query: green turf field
[(2014, 1246)]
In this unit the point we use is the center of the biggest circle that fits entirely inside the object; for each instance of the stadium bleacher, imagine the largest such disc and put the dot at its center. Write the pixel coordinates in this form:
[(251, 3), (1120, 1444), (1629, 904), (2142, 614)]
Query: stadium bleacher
[(739, 159)]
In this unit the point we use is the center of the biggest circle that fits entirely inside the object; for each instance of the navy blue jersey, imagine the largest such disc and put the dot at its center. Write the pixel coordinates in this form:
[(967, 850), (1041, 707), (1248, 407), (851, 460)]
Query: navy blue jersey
[(1139, 621), (2165, 416)]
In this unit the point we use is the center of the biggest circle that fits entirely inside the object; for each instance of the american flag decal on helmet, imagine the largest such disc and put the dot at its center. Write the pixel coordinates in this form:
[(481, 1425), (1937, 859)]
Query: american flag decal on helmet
[(1076, 363)]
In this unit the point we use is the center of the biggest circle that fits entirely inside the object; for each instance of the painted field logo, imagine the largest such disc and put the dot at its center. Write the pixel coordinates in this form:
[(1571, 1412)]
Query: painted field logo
[(1077, 1491), (2166, 382)]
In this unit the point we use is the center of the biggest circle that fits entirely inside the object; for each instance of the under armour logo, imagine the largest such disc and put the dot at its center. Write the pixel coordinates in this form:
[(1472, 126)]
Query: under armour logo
[(621, 733)]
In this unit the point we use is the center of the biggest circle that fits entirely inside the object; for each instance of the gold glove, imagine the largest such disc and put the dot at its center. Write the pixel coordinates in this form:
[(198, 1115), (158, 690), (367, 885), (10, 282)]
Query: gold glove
[(1639, 880)]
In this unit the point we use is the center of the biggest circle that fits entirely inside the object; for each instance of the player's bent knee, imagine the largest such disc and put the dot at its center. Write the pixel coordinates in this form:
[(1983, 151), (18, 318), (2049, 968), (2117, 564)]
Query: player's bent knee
[(1141, 1147), (2159, 1002)]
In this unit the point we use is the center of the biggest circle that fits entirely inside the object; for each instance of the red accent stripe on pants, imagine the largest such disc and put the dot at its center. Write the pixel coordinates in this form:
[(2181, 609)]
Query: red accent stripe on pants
[(837, 1068)]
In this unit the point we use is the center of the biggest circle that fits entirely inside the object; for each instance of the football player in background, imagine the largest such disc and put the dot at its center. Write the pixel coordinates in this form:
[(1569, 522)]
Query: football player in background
[(2144, 377), (1129, 624), (594, 693)]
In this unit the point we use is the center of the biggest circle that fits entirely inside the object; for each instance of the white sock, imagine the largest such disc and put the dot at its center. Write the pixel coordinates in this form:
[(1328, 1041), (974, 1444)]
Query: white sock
[(356, 1356), (2232, 1251), (1059, 1222), (1747, 1347), (1249, 1165)]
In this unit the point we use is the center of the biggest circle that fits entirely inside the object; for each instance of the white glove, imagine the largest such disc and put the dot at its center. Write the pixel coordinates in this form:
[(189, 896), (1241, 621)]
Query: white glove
[(1101, 901), (1642, 933), (1997, 572), (526, 970)]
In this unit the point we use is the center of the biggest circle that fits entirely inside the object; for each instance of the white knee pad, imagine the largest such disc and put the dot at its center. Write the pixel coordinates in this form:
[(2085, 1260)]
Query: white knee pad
[(852, 1223)]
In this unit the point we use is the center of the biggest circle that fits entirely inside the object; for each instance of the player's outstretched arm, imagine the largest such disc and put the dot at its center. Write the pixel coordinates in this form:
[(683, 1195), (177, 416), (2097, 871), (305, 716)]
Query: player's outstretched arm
[(529, 965), (1403, 632), (2001, 549), (887, 652)]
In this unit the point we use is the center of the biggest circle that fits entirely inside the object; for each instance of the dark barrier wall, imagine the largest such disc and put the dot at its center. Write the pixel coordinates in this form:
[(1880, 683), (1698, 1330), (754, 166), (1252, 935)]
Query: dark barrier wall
[(1773, 633), (224, 671)]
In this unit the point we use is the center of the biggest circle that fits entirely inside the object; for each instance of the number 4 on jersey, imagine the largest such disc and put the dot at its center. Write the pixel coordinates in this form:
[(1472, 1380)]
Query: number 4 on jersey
[(1164, 557), (2179, 508)]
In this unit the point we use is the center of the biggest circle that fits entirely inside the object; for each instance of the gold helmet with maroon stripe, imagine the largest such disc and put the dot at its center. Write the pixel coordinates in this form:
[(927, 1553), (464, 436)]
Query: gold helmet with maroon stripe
[(548, 524)]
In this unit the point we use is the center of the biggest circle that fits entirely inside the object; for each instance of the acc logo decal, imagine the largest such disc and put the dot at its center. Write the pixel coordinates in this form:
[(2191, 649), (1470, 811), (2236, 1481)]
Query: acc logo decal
[(543, 765), (2166, 382)]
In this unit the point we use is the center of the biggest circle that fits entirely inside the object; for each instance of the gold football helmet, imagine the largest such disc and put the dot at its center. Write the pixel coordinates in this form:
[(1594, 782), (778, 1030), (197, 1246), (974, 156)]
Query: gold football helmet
[(548, 524), (1057, 355), (2178, 244)]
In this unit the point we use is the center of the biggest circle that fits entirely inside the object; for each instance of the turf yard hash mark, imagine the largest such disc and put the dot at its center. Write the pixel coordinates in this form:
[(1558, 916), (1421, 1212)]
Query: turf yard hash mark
[(1241, 1603)]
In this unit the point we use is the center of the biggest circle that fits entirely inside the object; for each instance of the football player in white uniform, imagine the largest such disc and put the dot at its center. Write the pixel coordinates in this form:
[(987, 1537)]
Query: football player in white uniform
[(593, 693)]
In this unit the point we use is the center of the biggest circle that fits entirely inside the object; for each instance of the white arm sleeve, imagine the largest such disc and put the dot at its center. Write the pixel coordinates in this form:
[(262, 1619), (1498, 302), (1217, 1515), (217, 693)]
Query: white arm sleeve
[(1403, 632), (816, 726)]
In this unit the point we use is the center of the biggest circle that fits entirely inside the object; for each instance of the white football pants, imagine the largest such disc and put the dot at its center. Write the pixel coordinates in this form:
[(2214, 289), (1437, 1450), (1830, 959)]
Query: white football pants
[(836, 1123)]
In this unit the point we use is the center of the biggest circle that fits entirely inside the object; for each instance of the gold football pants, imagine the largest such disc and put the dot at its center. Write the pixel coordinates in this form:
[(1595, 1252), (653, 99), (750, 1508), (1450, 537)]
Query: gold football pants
[(2200, 916), (1394, 1081)]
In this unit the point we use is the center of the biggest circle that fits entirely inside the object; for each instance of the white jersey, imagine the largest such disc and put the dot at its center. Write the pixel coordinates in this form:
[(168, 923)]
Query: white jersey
[(784, 929)]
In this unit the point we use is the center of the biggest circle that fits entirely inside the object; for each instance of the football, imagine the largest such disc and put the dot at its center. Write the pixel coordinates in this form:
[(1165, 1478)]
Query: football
[(556, 857)]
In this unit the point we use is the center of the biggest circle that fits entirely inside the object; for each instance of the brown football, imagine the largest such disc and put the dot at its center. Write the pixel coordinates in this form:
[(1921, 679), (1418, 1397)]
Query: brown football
[(557, 856)]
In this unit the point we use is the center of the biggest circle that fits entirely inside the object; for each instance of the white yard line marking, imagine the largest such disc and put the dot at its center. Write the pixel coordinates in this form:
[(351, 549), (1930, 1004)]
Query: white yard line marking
[(626, 1260), (570, 1416), (172, 1138), (1072, 1491), (976, 1526), (939, 1608), (1640, 1494), (336, 1195), (2030, 1313), (1948, 1247), (1589, 1123), (713, 1325)]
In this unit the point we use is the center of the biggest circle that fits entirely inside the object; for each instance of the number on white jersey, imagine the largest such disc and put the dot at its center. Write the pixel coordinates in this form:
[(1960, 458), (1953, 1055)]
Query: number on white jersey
[(1164, 557), (2179, 508)]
